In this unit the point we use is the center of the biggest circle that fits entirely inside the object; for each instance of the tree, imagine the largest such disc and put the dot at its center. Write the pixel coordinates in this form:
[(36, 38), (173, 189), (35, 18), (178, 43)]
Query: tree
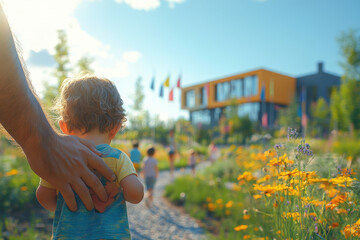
[(320, 117), (63, 68), (61, 72), (84, 64), (139, 95), (62, 58), (345, 103), (289, 117)]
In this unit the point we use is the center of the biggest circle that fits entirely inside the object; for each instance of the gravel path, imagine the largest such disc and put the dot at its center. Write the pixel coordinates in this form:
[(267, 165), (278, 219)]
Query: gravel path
[(162, 221)]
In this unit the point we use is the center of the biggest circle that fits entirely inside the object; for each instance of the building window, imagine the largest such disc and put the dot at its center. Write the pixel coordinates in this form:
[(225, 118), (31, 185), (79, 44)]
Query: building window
[(201, 117), (250, 109), (222, 91), (203, 97), (255, 85), (190, 98), (237, 88)]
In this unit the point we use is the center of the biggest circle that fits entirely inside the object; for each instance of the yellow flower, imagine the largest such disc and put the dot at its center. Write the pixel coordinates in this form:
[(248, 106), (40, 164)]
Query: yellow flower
[(256, 229), (257, 196), (246, 217), (246, 237), (354, 230), (23, 188), (211, 207), (336, 201), (236, 187), (229, 204), (341, 210), (263, 179), (208, 199), (12, 172), (342, 181), (278, 232), (219, 201), (294, 215), (241, 227), (246, 176)]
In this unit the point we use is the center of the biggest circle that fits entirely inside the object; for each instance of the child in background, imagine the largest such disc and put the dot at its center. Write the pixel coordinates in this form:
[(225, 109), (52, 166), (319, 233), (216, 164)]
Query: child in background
[(192, 161), (150, 172), (91, 108), (135, 156)]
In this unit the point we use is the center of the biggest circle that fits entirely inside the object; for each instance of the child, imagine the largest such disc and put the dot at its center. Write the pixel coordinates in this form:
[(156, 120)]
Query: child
[(135, 156), (91, 108), (150, 173), (192, 161)]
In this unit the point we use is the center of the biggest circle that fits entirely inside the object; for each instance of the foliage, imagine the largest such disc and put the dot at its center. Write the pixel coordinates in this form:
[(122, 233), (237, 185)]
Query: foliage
[(62, 58), (289, 116), (139, 95), (63, 68), (349, 148), (320, 118), (17, 183), (286, 191), (345, 102), (84, 63)]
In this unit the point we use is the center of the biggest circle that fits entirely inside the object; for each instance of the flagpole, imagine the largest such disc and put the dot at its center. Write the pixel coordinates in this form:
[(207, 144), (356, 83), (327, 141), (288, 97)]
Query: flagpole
[(303, 111)]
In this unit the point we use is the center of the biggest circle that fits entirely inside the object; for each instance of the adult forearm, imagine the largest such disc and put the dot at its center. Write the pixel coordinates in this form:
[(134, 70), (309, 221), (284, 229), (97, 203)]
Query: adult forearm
[(20, 112)]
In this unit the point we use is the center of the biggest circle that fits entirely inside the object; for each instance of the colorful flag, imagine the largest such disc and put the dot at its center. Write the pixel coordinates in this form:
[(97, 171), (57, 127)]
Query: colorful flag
[(304, 120), (161, 94), (264, 120), (167, 82), (178, 84), (152, 85), (171, 95), (207, 89), (262, 94)]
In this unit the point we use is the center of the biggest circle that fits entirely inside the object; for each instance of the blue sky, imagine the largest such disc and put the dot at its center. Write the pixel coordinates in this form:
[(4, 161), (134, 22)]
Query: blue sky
[(201, 39)]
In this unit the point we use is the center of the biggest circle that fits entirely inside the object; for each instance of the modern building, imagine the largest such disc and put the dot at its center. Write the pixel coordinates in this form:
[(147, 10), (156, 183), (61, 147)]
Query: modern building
[(258, 94), (314, 86)]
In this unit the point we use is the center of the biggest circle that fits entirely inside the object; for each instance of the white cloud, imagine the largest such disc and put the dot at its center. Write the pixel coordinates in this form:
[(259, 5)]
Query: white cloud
[(35, 24), (146, 5), (173, 2), (118, 70), (131, 56)]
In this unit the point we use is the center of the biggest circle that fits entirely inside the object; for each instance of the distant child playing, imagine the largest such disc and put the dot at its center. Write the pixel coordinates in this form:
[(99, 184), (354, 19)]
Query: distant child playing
[(150, 172), (91, 108), (135, 156), (192, 161)]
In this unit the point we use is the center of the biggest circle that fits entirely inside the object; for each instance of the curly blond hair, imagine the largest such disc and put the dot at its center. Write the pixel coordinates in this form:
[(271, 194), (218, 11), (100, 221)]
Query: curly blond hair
[(88, 102)]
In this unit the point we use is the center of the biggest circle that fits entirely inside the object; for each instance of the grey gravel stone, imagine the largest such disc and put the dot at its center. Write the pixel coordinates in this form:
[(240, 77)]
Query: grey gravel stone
[(162, 220)]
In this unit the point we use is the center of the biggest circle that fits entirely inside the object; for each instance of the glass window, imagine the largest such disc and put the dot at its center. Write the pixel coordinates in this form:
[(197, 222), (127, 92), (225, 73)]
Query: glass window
[(204, 97), (226, 90), (190, 98), (202, 116), (218, 92), (222, 91), (249, 109), (255, 85), (248, 86), (236, 88)]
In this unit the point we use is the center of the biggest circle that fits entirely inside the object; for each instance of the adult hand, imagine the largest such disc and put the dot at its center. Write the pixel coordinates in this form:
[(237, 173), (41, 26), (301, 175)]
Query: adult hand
[(64, 162)]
